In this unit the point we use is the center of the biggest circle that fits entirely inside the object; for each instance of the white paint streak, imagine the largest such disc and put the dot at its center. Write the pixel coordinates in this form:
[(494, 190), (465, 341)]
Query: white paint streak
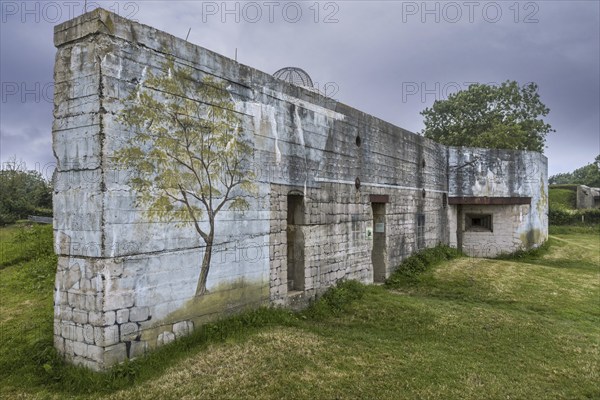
[(264, 120), (140, 83), (300, 133), (273, 124), (306, 105)]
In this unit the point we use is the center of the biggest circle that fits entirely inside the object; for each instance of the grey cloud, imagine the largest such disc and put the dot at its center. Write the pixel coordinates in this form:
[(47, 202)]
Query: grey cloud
[(372, 54)]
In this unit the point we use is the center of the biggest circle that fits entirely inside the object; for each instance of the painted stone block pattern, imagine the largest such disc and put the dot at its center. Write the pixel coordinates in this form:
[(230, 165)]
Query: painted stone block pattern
[(336, 194)]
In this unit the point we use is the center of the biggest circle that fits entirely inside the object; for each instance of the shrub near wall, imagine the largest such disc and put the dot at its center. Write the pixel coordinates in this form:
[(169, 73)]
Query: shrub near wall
[(413, 267), (560, 216)]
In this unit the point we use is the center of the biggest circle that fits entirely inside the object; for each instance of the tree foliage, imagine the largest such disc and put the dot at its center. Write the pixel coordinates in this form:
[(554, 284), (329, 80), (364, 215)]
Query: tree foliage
[(22, 193), (588, 175), (188, 152), (502, 117)]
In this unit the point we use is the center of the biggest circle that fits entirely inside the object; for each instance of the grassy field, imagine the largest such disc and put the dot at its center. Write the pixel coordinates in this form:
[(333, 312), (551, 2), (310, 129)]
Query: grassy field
[(525, 327), (565, 198)]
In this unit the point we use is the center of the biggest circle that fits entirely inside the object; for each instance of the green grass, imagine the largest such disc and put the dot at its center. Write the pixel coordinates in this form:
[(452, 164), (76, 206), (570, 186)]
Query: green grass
[(517, 328), (575, 230), (562, 198), (24, 243), (413, 269), (27, 269)]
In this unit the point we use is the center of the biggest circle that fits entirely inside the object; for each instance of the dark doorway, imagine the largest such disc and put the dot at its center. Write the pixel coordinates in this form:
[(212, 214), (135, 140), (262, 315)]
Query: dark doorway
[(378, 251), (295, 243), (420, 231)]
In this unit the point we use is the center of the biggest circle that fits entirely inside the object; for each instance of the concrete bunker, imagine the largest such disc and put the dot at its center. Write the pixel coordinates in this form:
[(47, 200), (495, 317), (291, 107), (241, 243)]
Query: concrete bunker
[(338, 194)]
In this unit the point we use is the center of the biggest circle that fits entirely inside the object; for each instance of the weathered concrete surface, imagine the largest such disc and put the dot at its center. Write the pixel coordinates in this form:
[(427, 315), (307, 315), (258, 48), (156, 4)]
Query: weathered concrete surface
[(588, 197), (502, 174), (126, 285)]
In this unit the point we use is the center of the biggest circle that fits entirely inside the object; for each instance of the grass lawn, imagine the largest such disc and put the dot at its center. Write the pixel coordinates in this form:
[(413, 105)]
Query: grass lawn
[(527, 327), (563, 198)]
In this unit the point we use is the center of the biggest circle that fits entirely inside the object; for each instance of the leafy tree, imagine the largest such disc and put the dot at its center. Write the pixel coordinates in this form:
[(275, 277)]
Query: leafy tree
[(561, 179), (501, 117), (588, 175), (22, 192), (188, 152)]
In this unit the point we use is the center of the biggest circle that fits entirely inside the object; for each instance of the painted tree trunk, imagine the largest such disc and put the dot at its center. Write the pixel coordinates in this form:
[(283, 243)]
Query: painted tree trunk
[(201, 288)]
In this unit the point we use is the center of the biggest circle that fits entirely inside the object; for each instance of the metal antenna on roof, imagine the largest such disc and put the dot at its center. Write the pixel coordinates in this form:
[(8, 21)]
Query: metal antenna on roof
[(236, 54), (188, 35)]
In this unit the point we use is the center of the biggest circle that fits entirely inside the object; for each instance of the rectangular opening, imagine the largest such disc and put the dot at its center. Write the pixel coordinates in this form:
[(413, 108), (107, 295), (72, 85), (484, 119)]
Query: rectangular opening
[(378, 251), (295, 214), (420, 231), (479, 223), (295, 243)]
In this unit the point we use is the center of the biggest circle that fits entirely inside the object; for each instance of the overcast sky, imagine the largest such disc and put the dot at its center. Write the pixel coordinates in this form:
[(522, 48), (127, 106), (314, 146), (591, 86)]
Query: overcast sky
[(387, 58)]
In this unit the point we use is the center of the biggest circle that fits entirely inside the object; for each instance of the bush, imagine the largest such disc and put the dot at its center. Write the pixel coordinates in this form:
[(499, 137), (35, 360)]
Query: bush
[(559, 216), (336, 299), (7, 218), (22, 193), (42, 212), (418, 263)]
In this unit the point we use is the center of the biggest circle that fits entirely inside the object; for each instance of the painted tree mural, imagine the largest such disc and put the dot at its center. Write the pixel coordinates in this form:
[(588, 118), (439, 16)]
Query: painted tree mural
[(188, 152)]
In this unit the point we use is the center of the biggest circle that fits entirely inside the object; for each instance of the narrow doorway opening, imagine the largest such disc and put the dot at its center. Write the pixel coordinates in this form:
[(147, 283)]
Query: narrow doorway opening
[(295, 243), (420, 231), (378, 250)]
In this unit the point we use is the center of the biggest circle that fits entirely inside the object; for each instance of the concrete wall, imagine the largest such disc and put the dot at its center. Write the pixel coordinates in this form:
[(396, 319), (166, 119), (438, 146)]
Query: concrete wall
[(126, 284), (588, 197), (499, 174)]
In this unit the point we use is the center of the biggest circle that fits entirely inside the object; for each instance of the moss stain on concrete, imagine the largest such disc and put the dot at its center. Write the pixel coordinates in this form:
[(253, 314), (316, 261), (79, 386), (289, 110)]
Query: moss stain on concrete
[(531, 238), (223, 300), (542, 203)]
